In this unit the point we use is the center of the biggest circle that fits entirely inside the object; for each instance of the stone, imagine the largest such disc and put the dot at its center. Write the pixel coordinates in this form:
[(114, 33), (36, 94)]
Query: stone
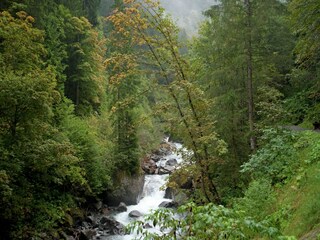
[(122, 207), (85, 224), (147, 226), (166, 169), (128, 189), (167, 204), (172, 162), (149, 166), (169, 193), (89, 219), (112, 226), (135, 214), (105, 210), (155, 158), (87, 234), (164, 149), (98, 205)]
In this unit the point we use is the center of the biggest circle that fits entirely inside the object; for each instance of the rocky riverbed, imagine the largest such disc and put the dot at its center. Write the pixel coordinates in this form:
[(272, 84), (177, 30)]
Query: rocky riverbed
[(161, 161), (103, 221)]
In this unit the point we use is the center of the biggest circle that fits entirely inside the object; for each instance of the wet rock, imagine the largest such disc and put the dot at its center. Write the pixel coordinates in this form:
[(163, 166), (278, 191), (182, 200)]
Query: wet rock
[(128, 190), (87, 234), (85, 224), (89, 219), (147, 226), (155, 158), (122, 207), (172, 162), (112, 226), (105, 210), (149, 166), (167, 204), (164, 149), (166, 169), (135, 214), (98, 205), (169, 193)]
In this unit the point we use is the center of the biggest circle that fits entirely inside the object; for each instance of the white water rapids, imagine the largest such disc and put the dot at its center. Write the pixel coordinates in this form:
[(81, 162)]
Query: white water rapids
[(152, 195)]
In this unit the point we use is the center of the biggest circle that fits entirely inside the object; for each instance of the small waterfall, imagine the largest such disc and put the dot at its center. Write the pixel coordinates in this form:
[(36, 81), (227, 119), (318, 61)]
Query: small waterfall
[(152, 195)]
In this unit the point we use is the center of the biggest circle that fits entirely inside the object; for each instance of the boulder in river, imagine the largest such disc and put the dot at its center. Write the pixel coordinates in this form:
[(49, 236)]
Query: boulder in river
[(169, 193), (164, 149), (87, 234), (149, 166), (167, 204), (172, 162), (155, 158), (135, 214), (147, 226), (112, 226), (89, 219), (122, 207), (127, 190), (166, 169), (98, 205)]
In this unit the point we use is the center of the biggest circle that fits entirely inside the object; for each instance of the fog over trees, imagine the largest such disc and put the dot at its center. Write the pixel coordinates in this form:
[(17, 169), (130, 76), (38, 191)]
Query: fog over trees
[(187, 13)]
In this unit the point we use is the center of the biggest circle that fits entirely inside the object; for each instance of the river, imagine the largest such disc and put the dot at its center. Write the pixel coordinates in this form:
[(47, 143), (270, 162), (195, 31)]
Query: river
[(152, 194)]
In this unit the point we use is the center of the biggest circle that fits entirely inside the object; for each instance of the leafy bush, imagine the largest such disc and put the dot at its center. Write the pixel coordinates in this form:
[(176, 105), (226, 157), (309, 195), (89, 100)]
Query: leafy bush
[(204, 222), (258, 200), (91, 149), (277, 159)]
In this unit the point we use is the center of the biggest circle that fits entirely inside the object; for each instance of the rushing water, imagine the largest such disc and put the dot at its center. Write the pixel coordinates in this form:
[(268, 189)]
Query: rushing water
[(152, 194)]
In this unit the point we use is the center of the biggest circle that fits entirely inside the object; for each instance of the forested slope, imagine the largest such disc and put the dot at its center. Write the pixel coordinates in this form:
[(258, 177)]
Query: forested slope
[(88, 88)]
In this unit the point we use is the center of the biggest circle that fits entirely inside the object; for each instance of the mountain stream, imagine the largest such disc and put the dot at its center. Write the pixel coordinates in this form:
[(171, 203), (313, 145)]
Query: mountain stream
[(152, 195)]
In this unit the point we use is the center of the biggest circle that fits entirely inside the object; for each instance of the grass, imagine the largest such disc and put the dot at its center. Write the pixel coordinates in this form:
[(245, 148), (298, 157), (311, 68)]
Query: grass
[(302, 194)]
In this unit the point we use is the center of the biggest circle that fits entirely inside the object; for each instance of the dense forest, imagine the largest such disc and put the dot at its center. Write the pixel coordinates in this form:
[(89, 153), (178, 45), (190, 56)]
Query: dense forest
[(89, 87)]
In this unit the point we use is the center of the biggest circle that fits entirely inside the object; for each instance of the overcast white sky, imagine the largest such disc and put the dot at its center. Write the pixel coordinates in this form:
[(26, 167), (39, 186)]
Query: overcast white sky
[(187, 13)]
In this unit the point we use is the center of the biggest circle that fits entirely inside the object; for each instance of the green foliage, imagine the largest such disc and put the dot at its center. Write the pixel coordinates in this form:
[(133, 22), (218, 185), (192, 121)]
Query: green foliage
[(297, 208), (269, 107), (5, 190), (43, 169), (204, 222), (67, 126), (258, 200), (22, 46), (50, 159), (92, 150), (304, 16), (85, 83), (292, 206), (51, 19), (277, 159), (305, 79), (220, 62), (303, 97)]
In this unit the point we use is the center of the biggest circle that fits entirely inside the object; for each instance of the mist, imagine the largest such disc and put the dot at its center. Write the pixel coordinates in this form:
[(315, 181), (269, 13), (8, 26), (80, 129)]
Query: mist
[(187, 13)]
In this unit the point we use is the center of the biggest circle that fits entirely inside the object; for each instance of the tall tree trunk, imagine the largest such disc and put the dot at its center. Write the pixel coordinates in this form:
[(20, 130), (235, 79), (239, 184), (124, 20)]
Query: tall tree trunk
[(248, 7), (77, 100)]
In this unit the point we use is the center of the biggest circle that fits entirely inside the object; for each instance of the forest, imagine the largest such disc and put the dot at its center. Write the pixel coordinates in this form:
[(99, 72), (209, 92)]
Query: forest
[(88, 88)]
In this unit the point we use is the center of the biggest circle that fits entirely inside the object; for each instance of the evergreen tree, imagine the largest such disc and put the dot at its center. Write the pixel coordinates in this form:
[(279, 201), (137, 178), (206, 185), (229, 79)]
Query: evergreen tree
[(37, 162), (236, 57), (122, 90), (304, 87)]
